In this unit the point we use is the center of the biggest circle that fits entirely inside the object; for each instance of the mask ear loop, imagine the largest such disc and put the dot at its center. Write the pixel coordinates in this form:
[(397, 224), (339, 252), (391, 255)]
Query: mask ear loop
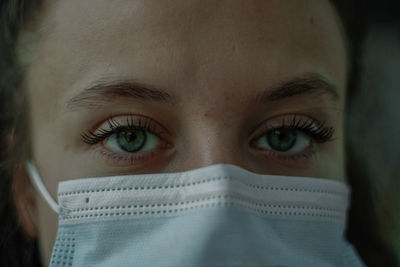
[(38, 184)]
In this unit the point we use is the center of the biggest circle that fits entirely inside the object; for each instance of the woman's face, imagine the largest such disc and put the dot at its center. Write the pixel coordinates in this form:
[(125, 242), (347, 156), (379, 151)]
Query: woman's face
[(206, 81)]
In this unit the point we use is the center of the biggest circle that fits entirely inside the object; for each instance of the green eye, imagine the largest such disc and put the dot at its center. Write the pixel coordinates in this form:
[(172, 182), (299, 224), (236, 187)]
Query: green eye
[(283, 140), (131, 141)]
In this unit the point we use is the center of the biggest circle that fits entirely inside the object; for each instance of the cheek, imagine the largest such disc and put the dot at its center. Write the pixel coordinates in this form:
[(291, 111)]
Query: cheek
[(332, 164), (47, 157), (54, 156), (335, 167)]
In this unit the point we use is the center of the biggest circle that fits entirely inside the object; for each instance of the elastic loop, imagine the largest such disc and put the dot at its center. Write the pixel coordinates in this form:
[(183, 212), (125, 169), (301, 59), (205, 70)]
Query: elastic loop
[(38, 184)]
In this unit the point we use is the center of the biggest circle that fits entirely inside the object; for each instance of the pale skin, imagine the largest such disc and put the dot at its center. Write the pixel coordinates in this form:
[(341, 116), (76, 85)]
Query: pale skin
[(213, 58)]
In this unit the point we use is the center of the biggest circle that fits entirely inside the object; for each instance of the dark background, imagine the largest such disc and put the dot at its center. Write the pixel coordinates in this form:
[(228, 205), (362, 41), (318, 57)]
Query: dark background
[(374, 119)]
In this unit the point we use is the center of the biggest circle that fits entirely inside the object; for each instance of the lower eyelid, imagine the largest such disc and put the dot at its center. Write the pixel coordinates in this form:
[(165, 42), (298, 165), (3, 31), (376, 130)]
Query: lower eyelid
[(123, 159), (139, 157), (293, 157), (115, 158)]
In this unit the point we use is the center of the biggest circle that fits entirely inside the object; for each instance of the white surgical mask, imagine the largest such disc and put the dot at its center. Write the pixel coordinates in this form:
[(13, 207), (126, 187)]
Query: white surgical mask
[(219, 215)]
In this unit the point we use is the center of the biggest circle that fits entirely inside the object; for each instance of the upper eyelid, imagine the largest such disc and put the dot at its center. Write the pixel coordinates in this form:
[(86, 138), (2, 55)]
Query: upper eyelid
[(99, 134), (321, 127), (131, 120), (280, 119), (127, 122)]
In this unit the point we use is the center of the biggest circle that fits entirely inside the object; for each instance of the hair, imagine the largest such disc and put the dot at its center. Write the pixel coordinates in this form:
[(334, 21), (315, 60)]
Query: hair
[(18, 249)]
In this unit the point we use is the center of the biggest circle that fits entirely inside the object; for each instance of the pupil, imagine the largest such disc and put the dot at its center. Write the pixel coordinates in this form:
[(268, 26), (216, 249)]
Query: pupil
[(282, 140), (131, 141)]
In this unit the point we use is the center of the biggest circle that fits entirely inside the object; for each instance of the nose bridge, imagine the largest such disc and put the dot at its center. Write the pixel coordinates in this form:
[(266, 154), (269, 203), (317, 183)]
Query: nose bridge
[(212, 142)]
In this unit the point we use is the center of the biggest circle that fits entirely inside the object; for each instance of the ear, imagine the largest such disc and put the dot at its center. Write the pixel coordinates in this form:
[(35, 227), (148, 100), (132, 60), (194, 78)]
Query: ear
[(24, 201)]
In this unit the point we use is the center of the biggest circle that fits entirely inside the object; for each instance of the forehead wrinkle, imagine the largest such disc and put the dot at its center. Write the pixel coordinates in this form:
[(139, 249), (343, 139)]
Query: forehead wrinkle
[(212, 33)]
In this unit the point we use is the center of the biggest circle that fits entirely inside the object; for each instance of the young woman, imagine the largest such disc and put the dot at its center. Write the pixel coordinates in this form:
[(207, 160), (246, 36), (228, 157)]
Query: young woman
[(230, 112)]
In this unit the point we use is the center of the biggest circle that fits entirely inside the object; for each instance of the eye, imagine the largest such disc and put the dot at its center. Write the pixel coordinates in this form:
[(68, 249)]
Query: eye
[(131, 141), (284, 140), (292, 137)]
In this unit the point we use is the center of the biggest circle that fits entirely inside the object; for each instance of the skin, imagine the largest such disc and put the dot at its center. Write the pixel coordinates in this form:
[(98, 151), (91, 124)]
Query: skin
[(214, 56)]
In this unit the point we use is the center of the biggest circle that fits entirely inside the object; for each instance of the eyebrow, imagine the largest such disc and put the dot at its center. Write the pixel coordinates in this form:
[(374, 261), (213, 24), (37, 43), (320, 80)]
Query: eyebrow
[(307, 84), (99, 93)]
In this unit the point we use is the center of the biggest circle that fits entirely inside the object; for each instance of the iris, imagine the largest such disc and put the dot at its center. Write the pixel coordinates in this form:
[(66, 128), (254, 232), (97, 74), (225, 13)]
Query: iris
[(131, 141), (282, 139)]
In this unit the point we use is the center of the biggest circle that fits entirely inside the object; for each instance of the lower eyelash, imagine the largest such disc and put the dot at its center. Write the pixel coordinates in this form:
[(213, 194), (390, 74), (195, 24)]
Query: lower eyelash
[(318, 132), (114, 127), (130, 158), (310, 152)]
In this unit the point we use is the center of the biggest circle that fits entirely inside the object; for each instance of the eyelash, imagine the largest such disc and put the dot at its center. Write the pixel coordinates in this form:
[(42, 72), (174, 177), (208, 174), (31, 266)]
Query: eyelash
[(319, 133), (311, 127), (132, 123), (143, 124)]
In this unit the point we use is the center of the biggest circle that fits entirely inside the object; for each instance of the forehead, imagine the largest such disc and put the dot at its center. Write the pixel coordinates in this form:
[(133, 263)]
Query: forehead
[(194, 48)]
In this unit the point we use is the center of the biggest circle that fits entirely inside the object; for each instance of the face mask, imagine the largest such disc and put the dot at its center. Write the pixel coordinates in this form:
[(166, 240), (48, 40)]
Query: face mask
[(220, 215)]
